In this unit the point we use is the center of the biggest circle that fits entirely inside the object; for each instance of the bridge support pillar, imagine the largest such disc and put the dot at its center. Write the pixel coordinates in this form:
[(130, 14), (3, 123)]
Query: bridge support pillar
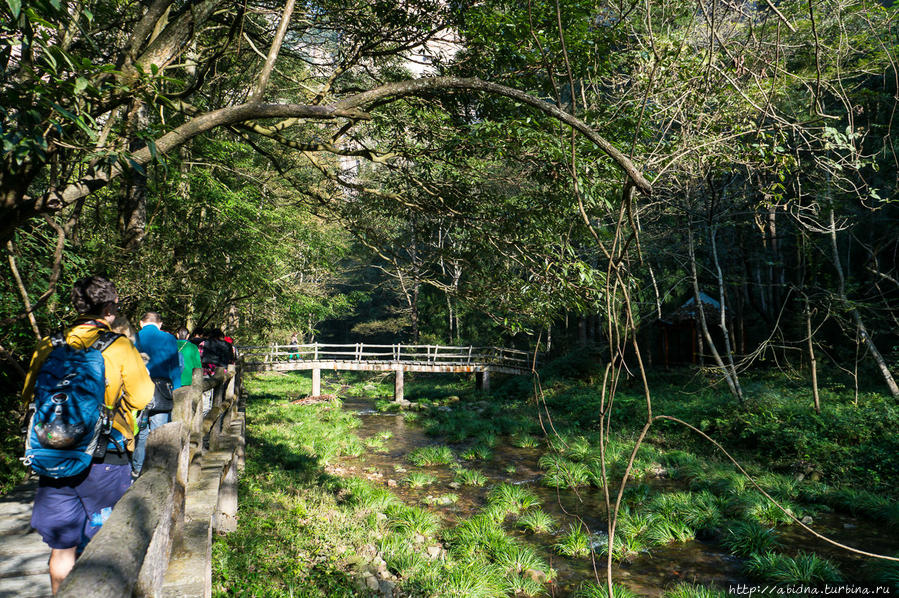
[(398, 386), (316, 382), (482, 380)]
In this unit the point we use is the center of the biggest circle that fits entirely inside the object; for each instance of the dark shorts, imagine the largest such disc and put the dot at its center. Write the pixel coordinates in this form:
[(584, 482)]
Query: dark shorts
[(69, 511)]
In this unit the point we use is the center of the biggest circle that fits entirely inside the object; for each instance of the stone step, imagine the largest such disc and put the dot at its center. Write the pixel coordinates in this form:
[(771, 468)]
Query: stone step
[(25, 563), (22, 544), (28, 586), (15, 525), (13, 509)]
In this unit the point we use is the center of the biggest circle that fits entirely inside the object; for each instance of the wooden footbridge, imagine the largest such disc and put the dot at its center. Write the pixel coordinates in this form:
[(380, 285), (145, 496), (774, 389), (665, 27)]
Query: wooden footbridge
[(386, 358)]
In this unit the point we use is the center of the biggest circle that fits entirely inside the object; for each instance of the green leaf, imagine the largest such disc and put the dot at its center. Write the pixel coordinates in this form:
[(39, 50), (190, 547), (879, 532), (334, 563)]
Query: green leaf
[(80, 84), (15, 7)]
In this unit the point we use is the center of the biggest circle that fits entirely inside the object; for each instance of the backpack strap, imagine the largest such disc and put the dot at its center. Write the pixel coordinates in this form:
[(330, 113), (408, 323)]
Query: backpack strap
[(104, 339)]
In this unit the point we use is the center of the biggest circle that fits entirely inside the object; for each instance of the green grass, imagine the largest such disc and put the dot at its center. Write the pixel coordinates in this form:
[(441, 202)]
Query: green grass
[(12, 444), (475, 579), (412, 520), (563, 473), (297, 524), (402, 556), (300, 529), (469, 477), (744, 538), (306, 522), (418, 479), (431, 455), (524, 585), (478, 452), (885, 573), (442, 500), (574, 543), (524, 440), (664, 531), (688, 590), (781, 569), (375, 443), (537, 521), (481, 535), (365, 495), (518, 558), (591, 589), (511, 499)]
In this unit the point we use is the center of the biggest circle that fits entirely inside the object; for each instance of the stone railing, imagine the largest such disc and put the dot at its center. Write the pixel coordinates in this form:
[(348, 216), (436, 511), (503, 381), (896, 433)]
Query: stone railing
[(158, 539)]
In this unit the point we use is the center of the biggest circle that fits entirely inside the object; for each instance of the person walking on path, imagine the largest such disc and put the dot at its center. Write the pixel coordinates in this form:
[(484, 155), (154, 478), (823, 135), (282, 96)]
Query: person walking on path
[(166, 374), (68, 511), (216, 352), (190, 356)]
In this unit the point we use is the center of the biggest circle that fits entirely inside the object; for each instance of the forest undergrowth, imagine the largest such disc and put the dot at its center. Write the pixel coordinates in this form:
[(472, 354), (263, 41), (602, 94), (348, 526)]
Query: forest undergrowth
[(307, 527)]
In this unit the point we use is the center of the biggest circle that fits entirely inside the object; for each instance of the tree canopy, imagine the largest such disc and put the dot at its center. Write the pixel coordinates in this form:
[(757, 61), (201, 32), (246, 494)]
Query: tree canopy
[(518, 163)]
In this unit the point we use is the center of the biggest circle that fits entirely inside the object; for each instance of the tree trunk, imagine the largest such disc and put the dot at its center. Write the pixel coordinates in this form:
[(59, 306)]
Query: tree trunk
[(723, 317), (811, 356), (133, 201), (856, 316), (731, 384)]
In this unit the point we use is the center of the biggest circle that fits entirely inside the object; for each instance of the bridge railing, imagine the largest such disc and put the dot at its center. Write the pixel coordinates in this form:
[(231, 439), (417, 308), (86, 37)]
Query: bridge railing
[(398, 353)]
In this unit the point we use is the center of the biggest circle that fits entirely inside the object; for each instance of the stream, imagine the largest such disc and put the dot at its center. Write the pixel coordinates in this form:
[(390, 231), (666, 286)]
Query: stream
[(650, 573)]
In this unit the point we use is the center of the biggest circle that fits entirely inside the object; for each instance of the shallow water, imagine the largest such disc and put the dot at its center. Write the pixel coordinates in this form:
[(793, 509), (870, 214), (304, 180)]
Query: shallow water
[(650, 574)]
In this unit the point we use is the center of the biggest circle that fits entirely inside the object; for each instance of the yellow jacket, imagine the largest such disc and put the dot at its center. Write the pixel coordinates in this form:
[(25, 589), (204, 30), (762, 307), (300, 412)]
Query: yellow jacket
[(126, 374)]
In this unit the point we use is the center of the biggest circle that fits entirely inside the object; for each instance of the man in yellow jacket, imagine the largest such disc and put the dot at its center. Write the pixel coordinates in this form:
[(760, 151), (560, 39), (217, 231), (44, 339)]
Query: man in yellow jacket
[(69, 511)]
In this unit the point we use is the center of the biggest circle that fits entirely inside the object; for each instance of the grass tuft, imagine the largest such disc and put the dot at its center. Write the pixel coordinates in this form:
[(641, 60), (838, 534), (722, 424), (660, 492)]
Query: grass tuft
[(575, 542), (512, 498), (469, 477), (478, 452), (591, 589), (524, 440), (689, 590), (431, 455), (744, 538), (412, 520), (537, 521), (418, 479), (781, 569)]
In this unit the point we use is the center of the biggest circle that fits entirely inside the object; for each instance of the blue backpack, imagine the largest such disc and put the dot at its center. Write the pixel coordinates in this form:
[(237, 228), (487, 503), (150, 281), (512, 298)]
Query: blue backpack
[(71, 423)]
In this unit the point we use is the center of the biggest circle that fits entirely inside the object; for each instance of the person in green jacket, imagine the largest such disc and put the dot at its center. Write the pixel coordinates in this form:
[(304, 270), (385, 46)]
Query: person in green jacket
[(190, 356)]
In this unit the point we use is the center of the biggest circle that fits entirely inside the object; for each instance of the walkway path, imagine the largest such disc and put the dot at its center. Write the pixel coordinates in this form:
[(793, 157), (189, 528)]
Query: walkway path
[(23, 555)]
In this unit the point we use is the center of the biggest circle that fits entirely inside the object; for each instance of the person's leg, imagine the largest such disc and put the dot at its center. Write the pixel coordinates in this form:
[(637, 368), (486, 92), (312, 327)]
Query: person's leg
[(160, 419), (140, 449), (61, 562), (58, 516)]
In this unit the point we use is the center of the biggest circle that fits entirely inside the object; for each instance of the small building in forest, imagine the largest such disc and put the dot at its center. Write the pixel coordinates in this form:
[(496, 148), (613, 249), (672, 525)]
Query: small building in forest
[(680, 338)]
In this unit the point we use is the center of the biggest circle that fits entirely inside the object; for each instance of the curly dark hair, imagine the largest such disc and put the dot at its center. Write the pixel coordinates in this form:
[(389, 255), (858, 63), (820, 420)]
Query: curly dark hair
[(94, 296)]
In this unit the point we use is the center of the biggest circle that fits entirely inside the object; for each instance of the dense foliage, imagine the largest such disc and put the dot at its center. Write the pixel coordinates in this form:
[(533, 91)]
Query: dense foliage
[(700, 184)]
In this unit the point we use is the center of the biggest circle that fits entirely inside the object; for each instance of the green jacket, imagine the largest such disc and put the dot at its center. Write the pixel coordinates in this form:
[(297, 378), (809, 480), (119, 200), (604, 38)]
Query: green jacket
[(191, 356)]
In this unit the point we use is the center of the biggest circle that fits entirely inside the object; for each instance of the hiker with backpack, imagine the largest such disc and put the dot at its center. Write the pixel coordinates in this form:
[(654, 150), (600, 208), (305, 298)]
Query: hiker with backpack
[(165, 371), (215, 352), (85, 383), (190, 356)]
